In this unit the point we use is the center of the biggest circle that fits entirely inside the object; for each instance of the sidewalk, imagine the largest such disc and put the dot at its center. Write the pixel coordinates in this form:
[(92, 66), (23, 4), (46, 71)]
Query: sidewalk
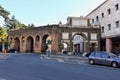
[(66, 58), (2, 57)]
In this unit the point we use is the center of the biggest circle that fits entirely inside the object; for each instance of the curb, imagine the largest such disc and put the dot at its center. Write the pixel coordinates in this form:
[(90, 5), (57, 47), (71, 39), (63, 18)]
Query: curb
[(70, 59), (2, 57)]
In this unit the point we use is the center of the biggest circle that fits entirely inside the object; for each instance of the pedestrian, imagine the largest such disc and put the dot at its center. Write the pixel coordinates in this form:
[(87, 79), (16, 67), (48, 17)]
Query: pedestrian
[(4, 52)]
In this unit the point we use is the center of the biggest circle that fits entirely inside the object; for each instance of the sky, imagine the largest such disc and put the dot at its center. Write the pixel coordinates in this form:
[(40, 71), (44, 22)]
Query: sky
[(43, 12)]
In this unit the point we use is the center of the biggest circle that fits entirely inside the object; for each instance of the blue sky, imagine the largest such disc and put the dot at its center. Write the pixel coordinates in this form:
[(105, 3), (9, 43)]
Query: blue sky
[(43, 12)]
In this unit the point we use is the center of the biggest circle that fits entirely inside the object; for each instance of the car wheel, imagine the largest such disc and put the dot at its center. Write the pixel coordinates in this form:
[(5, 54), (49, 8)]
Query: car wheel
[(91, 61), (114, 64)]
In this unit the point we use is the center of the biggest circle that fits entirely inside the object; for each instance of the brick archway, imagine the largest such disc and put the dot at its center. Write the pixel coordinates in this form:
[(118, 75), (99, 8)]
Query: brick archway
[(44, 44), (34, 39), (17, 44), (81, 34), (29, 44), (79, 46)]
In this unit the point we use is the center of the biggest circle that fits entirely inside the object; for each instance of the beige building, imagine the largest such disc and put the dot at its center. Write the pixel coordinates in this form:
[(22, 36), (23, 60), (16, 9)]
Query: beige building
[(107, 17)]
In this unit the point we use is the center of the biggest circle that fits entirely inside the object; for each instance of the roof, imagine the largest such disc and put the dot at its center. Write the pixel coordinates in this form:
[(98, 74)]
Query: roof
[(97, 8), (81, 17)]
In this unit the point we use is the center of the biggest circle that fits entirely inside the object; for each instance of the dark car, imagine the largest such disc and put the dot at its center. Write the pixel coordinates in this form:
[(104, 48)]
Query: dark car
[(104, 58), (11, 50), (65, 52)]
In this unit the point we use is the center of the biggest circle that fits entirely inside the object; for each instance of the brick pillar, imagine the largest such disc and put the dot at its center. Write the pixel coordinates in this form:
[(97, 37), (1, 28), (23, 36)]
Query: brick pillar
[(34, 44), (12, 45), (40, 44), (108, 45), (55, 43), (23, 45)]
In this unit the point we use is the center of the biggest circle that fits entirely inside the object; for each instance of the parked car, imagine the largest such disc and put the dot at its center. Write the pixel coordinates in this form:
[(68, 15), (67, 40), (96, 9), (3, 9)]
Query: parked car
[(104, 58), (86, 54)]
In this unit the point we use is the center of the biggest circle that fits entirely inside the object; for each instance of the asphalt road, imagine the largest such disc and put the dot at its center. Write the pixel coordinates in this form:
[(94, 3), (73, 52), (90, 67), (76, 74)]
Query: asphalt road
[(33, 67)]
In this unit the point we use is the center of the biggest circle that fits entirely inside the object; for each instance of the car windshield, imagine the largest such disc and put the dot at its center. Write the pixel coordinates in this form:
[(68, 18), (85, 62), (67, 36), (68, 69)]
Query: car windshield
[(112, 55)]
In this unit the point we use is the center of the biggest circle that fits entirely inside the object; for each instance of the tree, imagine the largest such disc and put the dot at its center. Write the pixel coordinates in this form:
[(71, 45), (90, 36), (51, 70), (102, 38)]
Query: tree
[(14, 24), (3, 35), (31, 25), (4, 13)]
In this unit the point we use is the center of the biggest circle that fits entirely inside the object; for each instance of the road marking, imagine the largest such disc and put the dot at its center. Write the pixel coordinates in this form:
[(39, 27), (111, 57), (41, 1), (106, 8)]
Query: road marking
[(3, 79), (60, 60), (83, 63), (41, 58)]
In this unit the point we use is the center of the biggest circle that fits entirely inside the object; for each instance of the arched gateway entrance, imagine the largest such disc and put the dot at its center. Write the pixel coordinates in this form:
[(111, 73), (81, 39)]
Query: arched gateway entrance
[(17, 44), (44, 44), (29, 44), (79, 43)]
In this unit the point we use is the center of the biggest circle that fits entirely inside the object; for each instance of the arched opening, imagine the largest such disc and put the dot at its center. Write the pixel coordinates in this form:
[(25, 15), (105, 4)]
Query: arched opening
[(29, 44), (64, 48), (78, 44), (17, 44), (44, 44)]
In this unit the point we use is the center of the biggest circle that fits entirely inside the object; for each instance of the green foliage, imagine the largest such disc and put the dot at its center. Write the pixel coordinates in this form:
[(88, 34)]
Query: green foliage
[(4, 13), (31, 25), (14, 24), (3, 35)]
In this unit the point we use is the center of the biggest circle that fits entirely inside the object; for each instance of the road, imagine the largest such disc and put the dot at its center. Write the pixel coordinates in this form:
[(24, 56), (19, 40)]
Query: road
[(34, 67)]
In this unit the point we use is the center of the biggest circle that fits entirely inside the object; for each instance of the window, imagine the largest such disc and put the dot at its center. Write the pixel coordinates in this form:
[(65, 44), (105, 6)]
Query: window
[(117, 6), (102, 29), (109, 26), (93, 53), (117, 24), (102, 15), (109, 11), (105, 55), (70, 22), (93, 36), (98, 54), (97, 18), (65, 35), (92, 20)]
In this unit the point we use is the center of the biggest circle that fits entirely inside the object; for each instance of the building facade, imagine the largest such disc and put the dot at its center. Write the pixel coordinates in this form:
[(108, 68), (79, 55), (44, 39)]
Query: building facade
[(107, 17), (75, 36)]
